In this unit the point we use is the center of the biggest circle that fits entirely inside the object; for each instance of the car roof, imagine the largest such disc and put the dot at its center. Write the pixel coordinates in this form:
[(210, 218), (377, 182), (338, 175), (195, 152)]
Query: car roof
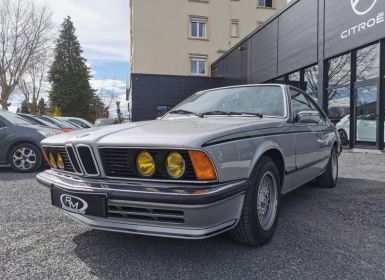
[(283, 86)]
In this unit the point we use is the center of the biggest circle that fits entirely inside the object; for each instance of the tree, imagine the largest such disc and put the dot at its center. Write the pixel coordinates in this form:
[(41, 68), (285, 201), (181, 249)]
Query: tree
[(119, 112), (55, 111), (69, 75), (24, 107), (24, 35), (31, 83), (42, 107), (97, 109)]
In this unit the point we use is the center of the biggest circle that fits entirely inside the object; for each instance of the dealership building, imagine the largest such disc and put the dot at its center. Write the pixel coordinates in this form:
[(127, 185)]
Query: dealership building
[(334, 50)]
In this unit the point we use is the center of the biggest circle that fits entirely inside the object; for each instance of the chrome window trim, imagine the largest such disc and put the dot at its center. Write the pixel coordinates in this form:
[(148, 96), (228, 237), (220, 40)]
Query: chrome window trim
[(93, 158), (160, 180), (283, 90)]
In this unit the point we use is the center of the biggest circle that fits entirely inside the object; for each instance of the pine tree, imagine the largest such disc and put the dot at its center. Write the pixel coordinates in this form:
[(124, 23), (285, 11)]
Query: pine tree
[(69, 75), (41, 107), (24, 107)]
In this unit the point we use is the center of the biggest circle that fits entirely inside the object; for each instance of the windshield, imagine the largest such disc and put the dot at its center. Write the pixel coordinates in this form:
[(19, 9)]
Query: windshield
[(13, 118), (251, 100)]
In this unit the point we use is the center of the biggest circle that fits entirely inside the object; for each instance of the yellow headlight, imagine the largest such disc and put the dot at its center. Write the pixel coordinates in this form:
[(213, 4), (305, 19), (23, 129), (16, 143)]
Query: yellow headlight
[(52, 161), (175, 165), (145, 164), (59, 161)]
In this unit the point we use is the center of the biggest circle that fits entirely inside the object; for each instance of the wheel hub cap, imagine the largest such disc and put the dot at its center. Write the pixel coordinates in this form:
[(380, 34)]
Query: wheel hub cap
[(267, 201), (24, 158)]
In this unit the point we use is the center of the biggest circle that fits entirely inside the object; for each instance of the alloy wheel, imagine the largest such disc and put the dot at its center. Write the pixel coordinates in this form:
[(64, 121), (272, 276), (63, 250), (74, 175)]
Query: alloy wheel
[(267, 200), (24, 158)]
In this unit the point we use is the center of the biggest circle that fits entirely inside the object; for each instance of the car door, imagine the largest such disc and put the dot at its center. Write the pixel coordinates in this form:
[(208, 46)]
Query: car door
[(312, 140), (3, 155)]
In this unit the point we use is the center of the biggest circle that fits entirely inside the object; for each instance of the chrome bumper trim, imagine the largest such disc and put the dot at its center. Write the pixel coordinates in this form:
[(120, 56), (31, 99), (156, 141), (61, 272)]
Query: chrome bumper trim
[(202, 217)]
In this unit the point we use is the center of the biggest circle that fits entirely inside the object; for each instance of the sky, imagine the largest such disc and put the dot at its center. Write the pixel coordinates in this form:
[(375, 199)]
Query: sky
[(102, 27)]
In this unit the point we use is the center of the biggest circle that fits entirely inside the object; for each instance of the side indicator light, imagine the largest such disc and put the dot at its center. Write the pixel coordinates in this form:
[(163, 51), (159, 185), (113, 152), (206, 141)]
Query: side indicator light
[(203, 167)]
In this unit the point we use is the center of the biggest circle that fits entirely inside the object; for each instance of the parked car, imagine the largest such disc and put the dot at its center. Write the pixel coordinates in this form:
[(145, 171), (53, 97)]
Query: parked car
[(34, 120), (64, 126), (20, 142), (77, 121), (108, 121), (366, 128), (217, 162)]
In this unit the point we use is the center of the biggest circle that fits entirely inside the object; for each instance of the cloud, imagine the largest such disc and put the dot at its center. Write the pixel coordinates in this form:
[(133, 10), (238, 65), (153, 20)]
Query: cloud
[(110, 91), (103, 27)]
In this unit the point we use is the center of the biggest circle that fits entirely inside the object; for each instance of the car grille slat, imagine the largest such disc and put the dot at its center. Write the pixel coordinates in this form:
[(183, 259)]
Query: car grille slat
[(120, 162), (87, 159), (126, 211), (72, 157)]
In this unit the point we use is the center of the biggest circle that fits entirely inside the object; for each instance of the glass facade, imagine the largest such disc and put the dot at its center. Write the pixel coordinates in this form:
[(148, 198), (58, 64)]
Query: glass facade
[(353, 93), (311, 81), (351, 96)]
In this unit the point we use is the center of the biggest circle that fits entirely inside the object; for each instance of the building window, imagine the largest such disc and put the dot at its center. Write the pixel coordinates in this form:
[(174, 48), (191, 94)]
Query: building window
[(338, 92), (265, 3), (311, 81), (198, 65), (198, 27), (234, 29)]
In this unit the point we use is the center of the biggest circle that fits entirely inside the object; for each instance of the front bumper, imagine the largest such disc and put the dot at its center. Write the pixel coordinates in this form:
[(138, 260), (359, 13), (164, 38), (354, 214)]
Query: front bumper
[(158, 209)]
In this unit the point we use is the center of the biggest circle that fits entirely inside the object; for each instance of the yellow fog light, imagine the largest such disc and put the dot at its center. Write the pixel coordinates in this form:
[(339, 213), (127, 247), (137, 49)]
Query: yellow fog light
[(145, 164), (175, 165), (59, 161), (52, 161)]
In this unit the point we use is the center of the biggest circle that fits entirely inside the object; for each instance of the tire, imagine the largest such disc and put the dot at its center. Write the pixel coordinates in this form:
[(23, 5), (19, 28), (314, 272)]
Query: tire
[(330, 177), (250, 230), (344, 137), (25, 158)]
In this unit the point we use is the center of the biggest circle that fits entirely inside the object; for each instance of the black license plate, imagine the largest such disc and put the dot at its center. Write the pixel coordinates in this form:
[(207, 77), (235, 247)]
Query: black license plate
[(79, 202)]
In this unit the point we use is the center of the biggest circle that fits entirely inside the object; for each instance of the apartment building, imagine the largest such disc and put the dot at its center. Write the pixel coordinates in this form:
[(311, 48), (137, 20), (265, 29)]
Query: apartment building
[(183, 37)]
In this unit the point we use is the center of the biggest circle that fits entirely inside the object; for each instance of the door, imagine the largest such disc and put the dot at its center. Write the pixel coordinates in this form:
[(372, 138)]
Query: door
[(311, 140), (366, 113), (2, 139)]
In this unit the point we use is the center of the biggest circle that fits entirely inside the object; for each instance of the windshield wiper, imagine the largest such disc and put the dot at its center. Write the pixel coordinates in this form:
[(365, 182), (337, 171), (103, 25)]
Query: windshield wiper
[(185, 112), (218, 113)]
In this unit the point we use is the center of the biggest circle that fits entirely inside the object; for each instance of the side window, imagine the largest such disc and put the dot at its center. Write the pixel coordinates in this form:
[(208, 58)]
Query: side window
[(299, 102), (2, 124), (315, 108)]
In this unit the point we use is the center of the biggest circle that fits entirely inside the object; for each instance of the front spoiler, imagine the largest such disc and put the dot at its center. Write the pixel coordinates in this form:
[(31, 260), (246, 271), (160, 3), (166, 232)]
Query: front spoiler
[(215, 209)]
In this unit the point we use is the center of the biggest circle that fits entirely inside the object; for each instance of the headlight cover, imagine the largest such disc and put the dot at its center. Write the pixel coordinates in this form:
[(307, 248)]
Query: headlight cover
[(59, 161), (145, 164), (175, 165), (52, 161)]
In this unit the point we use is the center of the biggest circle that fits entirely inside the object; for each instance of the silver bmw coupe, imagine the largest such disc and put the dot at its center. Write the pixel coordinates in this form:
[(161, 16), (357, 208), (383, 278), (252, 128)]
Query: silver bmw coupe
[(219, 161)]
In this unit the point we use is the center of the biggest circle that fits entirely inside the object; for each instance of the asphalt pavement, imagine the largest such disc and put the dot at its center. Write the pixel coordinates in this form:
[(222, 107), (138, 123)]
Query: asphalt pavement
[(322, 234)]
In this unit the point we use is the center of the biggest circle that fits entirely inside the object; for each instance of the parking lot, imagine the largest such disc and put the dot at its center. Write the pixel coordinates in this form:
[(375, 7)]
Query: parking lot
[(322, 234)]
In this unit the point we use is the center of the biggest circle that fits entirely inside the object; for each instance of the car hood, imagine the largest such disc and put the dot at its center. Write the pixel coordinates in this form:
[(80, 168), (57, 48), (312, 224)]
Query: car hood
[(180, 132)]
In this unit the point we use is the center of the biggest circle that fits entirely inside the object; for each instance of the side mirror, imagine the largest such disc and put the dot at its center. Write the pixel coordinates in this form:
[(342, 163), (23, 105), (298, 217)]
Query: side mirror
[(309, 117)]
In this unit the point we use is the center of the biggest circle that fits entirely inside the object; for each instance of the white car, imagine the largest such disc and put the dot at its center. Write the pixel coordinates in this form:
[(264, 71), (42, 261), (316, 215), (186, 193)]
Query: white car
[(366, 128), (77, 121)]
